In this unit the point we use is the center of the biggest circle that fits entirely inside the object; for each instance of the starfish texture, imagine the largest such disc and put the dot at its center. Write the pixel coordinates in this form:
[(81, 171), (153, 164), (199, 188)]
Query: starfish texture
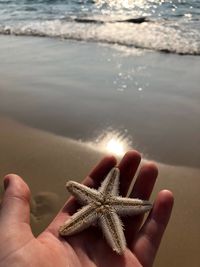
[(103, 206)]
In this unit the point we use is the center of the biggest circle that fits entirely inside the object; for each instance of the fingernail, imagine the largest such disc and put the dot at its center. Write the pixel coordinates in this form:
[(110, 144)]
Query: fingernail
[(6, 183)]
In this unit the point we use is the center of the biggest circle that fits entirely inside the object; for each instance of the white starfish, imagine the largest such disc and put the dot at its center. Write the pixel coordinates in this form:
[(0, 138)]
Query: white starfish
[(103, 206)]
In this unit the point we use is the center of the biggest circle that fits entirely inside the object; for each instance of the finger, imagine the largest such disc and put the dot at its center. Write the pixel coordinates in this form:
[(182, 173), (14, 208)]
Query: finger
[(92, 180), (99, 172), (128, 167), (142, 189), (145, 181), (15, 204), (150, 235)]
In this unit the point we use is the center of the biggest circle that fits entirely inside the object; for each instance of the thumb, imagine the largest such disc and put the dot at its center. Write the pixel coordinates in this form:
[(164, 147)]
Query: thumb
[(15, 206)]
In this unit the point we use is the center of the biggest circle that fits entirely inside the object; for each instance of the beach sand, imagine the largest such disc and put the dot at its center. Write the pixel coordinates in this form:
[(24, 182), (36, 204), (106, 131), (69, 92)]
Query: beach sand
[(54, 93)]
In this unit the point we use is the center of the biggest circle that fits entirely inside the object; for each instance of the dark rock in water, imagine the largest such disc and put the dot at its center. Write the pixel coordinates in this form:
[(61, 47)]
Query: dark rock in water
[(132, 20), (85, 20)]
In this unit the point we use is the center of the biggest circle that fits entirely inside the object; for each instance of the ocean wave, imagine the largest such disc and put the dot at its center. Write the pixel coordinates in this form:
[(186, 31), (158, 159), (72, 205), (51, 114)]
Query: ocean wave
[(161, 36)]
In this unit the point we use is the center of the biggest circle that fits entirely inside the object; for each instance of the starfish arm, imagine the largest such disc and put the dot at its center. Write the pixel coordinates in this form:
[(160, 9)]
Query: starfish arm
[(110, 186), (81, 220), (130, 206), (113, 231), (83, 193)]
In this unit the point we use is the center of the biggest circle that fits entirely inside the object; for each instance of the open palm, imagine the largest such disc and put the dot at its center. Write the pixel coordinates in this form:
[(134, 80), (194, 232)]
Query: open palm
[(18, 246)]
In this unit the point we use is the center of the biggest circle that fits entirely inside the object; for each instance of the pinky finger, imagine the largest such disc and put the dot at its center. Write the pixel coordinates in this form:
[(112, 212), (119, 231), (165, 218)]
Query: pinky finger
[(149, 237)]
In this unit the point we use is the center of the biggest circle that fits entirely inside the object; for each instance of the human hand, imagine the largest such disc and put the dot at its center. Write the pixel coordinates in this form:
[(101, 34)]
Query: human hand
[(19, 248)]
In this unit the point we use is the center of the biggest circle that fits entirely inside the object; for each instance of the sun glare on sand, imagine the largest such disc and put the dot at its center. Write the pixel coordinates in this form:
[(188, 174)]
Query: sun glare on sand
[(115, 146), (113, 142)]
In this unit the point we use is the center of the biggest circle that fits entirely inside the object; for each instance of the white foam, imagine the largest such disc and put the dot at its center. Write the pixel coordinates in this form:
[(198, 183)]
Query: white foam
[(159, 36)]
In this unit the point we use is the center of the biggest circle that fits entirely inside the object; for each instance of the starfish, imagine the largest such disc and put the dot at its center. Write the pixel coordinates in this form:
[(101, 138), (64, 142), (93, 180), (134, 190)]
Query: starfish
[(103, 206)]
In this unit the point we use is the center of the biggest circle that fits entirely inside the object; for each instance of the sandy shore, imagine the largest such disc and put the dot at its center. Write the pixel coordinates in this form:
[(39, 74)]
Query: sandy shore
[(45, 161), (54, 93)]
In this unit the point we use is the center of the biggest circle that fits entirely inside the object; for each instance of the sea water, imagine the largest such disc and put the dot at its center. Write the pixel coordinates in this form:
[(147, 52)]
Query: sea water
[(160, 25)]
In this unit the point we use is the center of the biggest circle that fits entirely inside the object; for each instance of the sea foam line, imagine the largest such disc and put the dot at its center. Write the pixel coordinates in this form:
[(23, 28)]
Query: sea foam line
[(147, 35)]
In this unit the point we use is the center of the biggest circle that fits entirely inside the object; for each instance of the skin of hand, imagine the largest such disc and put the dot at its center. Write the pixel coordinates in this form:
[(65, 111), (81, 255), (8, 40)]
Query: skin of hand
[(19, 248)]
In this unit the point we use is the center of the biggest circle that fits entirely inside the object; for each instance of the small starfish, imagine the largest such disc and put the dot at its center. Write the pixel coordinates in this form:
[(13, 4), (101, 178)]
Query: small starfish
[(103, 206)]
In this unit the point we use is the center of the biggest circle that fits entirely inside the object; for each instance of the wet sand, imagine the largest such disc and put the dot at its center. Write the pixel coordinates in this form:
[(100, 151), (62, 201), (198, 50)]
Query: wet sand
[(49, 100)]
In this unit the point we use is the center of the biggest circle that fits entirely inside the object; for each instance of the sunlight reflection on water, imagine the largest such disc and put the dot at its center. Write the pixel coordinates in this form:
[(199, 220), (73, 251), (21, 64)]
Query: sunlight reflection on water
[(125, 3)]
